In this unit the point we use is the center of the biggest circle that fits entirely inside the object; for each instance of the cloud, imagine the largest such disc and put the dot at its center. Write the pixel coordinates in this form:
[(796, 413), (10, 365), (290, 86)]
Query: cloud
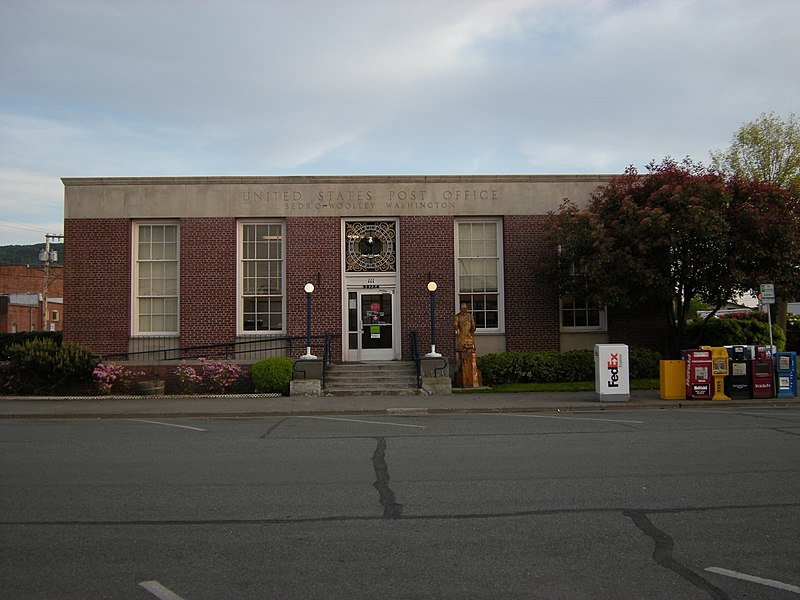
[(246, 87)]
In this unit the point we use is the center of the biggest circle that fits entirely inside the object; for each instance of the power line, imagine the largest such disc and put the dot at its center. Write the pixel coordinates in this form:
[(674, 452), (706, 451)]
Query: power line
[(23, 227)]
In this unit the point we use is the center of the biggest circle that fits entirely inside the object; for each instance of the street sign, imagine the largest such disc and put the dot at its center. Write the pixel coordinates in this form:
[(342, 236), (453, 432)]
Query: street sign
[(768, 293)]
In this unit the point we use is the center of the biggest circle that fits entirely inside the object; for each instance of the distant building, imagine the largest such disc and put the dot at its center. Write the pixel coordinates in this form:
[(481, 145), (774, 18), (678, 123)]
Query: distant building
[(22, 306), (212, 260)]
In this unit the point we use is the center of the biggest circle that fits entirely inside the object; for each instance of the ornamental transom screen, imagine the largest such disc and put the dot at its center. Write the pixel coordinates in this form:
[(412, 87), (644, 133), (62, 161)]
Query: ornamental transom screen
[(261, 277), (370, 246), (156, 297), (478, 252)]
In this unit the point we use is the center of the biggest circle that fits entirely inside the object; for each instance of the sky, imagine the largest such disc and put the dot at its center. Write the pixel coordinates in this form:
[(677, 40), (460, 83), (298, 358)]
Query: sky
[(141, 88)]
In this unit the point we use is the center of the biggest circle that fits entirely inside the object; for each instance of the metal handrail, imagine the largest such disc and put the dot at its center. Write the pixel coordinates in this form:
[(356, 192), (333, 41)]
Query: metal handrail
[(416, 357), (325, 361), (418, 360), (227, 350)]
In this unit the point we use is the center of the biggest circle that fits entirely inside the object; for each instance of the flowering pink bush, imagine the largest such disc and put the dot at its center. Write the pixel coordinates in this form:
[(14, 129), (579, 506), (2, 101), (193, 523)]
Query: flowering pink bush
[(211, 376), (188, 378), (110, 376)]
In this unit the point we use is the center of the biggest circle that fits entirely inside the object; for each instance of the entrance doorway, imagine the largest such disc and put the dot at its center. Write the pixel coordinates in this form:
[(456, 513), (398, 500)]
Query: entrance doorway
[(370, 317)]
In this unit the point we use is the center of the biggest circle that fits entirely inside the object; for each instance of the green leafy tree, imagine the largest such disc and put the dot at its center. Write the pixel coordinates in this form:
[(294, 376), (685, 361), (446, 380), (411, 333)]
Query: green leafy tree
[(766, 150), (668, 238), (765, 223)]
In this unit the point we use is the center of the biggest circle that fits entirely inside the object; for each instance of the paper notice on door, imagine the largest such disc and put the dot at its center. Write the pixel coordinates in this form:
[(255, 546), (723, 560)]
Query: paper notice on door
[(375, 331)]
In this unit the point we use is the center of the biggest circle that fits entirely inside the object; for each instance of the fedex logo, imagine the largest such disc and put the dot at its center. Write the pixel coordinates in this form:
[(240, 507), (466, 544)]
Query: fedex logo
[(613, 371)]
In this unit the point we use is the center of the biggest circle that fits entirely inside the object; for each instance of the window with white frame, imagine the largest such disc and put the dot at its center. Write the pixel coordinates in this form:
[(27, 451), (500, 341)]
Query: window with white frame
[(479, 271), (261, 278), (581, 314), (156, 270)]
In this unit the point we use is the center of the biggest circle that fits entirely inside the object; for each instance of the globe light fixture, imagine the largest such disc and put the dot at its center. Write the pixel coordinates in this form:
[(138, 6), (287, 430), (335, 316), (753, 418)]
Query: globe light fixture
[(432, 292), (309, 290)]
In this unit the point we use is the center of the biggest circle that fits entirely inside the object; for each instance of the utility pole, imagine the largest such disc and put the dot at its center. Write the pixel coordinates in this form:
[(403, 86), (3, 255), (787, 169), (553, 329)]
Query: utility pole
[(47, 256)]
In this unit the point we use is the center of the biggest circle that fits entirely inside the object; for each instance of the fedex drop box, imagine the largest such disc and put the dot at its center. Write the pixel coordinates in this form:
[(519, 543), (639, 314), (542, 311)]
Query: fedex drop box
[(612, 372)]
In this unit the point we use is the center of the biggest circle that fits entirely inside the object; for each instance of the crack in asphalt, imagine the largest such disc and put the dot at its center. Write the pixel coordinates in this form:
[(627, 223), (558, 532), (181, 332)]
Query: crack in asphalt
[(418, 517), (391, 508), (662, 554), (786, 430), (273, 428)]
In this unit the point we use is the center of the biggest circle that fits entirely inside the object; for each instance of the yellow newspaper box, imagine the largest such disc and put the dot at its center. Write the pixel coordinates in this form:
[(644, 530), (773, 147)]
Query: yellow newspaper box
[(719, 369)]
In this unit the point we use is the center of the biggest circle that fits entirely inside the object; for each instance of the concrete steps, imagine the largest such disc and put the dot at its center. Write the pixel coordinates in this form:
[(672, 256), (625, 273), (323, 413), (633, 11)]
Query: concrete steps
[(371, 378)]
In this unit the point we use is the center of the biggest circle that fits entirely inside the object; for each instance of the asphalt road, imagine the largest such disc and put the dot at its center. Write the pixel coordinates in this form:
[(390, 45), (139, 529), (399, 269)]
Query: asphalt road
[(633, 504)]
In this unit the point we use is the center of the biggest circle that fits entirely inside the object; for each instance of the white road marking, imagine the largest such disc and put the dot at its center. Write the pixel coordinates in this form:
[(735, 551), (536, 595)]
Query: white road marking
[(159, 591), (168, 424), (752, 578), (360, 421), (528, 416)]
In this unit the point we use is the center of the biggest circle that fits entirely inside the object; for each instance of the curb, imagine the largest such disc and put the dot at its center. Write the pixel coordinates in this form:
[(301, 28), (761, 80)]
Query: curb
[(60, 414)]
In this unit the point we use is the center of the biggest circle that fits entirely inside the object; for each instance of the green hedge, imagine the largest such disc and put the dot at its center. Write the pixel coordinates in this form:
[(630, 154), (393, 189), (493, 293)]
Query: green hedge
[(557, 367), (272, 375), (42, 365), (9, 339), (751, 331)]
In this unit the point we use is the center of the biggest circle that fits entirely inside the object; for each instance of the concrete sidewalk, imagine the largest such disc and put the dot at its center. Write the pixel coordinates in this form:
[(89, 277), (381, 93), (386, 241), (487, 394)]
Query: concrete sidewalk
[(232, 406)]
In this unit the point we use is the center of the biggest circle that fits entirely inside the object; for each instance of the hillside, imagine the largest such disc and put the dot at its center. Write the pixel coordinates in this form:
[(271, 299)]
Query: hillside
[(28, 255)]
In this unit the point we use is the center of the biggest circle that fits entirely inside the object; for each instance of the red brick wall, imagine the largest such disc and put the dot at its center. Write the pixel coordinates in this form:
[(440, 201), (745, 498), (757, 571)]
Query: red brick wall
[(641, 327), (313, 246), (23, 279), (97, 289), (97, 284), (208, 281), (531, 303), (427, 253)]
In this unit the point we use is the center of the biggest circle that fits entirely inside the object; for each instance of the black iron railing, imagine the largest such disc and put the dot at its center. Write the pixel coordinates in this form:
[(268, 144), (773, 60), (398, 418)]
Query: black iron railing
[(416, 357), (418, 360), (304, 365), (164, 349)]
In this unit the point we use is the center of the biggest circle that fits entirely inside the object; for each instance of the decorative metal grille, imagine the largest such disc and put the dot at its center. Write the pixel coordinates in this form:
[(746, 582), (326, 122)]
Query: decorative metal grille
[(370, 246)]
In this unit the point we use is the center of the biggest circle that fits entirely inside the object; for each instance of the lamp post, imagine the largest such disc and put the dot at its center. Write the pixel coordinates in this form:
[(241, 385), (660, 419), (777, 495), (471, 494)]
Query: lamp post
[(432, 289), (309, 289)]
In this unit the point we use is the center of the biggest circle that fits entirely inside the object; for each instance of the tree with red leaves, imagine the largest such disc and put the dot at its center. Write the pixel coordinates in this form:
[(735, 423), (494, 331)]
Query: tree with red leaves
[(679, 232)]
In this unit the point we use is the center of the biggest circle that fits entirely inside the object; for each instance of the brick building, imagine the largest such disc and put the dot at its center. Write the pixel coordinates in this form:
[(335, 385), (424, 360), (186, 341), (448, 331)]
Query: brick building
[(22, 305), (190, 261)]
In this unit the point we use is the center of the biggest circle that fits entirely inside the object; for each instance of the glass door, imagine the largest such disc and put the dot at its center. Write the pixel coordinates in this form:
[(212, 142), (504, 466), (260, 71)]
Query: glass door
[(370, 324)]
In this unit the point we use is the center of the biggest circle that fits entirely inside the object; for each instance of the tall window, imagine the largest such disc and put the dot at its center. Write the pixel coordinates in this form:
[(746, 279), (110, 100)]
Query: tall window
[(578, 313), (156, 278), (261, 277), (480, 271)]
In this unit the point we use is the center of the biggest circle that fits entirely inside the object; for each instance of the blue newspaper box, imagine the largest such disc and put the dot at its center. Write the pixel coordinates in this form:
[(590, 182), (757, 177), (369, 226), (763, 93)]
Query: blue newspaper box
[(786, 374)]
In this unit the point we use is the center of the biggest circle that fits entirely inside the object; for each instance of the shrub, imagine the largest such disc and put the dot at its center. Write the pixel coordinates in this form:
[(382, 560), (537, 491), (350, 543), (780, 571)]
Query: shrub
[(644, 363), (42, 365), (188, 378), (557, 367), (272, 375), (219, 376), (210, 376), (577, 365), (751, 331), (110, 376), (9, 339)]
